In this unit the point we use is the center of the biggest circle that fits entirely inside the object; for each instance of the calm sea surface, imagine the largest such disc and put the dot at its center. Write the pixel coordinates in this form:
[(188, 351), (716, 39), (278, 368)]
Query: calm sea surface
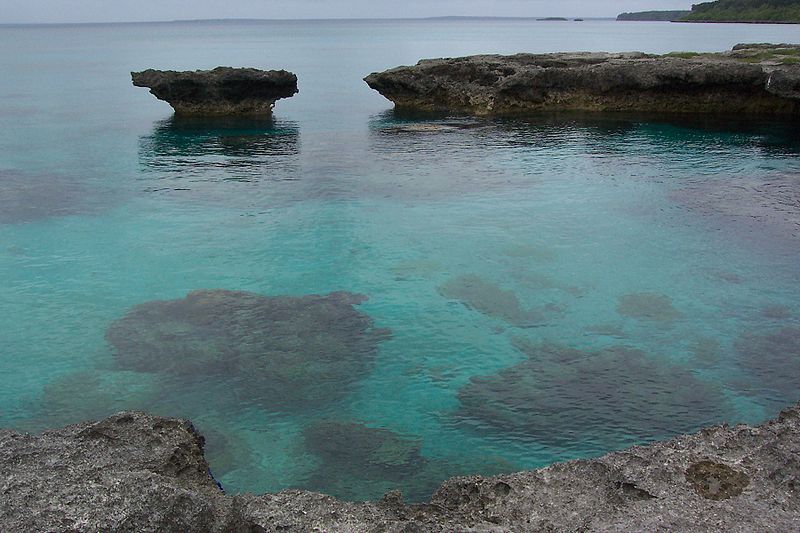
[(492, 295)]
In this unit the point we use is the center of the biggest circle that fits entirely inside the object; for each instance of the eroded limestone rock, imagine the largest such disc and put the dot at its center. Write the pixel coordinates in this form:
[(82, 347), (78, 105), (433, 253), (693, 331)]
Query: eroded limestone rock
[(221, 91), (135, 472), (732, 82)]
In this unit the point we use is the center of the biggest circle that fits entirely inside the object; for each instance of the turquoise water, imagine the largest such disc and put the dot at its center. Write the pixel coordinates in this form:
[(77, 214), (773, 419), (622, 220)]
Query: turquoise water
[(556, 286)]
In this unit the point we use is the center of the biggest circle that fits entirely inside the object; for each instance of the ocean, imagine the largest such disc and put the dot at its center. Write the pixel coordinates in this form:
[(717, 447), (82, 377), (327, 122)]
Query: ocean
[(379, 301)]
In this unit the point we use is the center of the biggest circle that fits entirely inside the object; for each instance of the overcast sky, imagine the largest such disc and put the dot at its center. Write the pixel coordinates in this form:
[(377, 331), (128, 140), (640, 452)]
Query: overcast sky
[(12, 11)]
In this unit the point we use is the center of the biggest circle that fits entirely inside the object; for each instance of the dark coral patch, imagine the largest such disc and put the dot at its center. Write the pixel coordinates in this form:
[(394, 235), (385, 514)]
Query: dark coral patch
[(565, 397), (648, 305), (356, 459), (485, 297), (32, 197), (772, 359), (280, 352)]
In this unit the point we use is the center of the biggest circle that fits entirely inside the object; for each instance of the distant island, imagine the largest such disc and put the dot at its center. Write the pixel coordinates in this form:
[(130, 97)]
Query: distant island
[(554, 19), (663, 16), (750, 11)]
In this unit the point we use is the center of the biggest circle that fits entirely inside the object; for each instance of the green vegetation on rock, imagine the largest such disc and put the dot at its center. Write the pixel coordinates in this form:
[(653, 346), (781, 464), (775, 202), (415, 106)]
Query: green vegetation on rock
[(663, 16), (786, 11)]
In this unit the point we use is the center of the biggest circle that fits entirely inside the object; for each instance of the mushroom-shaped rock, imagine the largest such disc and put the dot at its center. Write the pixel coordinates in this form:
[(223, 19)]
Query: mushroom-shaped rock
[(221, 91)]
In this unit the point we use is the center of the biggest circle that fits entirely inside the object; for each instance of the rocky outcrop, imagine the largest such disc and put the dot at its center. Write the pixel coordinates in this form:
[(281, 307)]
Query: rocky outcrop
[(135, 472), (762, 81), (222, 91)]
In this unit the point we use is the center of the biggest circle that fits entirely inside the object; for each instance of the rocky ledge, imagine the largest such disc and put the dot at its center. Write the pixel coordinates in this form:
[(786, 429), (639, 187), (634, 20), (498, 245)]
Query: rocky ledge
[(222, 91), (763, 79), (136, 472)]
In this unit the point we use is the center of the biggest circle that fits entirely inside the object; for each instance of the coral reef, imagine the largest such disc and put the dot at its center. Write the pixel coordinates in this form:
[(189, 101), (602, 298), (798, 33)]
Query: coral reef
[(491, 300), (649, 306), (26, 197), (772, 359), (353, 455), (559, 396), (279, 352)]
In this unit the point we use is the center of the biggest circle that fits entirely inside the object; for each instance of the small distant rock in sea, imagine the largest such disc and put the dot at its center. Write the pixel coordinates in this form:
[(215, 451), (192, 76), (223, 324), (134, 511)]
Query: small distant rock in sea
[(221, 91)]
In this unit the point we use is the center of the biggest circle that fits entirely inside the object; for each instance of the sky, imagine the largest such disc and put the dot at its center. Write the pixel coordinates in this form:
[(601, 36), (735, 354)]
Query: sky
[(47, 11)]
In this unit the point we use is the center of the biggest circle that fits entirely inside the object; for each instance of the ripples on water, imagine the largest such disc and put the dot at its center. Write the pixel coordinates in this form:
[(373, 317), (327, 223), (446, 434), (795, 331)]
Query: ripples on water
[(534, 288)]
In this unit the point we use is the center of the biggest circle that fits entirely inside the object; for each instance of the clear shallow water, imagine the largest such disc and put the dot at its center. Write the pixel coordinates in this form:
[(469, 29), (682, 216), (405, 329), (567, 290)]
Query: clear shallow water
[(555, 286)]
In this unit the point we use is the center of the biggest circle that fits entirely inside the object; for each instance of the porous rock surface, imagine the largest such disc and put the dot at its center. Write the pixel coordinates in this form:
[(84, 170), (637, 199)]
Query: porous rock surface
[(221, 91), (136, 472), (743, 80)]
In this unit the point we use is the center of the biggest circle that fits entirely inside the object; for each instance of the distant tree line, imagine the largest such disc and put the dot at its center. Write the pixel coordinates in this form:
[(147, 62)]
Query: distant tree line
[(746, 11), (728, 11), (654, 15)]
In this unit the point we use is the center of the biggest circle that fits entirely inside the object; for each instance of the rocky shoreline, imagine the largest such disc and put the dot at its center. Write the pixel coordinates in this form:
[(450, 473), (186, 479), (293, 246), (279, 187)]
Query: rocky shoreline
[(754, 79), (137, 472)]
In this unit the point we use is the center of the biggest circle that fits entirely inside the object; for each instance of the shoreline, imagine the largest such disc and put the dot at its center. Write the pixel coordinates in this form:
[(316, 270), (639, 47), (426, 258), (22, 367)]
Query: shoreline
[(133, 471)]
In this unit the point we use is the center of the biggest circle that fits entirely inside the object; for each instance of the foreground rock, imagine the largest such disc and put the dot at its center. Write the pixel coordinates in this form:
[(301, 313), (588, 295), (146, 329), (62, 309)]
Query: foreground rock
[(222, 91), (135, 472), (764, 79)]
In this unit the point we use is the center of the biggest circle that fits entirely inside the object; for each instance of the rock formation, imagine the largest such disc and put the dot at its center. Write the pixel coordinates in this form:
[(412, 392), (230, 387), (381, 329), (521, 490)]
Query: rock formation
[(222, 91), (764, 80), (135, 472)]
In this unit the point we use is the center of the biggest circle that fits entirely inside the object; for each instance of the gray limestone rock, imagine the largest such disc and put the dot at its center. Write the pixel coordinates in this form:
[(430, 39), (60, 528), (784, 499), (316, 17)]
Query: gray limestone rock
[(221, 91), (136, 472), (761, 80)]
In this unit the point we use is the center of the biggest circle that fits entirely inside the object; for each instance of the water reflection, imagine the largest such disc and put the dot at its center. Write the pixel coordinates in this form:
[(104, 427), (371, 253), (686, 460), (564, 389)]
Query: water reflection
[(612, 131), (184, 151)]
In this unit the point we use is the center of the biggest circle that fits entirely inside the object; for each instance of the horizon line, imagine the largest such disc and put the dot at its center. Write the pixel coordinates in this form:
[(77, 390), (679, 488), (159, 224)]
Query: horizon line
[(308, 19)]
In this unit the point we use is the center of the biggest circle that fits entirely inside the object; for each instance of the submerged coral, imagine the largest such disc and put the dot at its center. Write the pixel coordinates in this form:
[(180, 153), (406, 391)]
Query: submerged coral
[(358, 462), (279, 352), (754, 209), (776, 311), (561, 396), (487, 298), (31, 197), (94, 394), (648, 305), (354, 458), (772, 359), (706, 351)]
